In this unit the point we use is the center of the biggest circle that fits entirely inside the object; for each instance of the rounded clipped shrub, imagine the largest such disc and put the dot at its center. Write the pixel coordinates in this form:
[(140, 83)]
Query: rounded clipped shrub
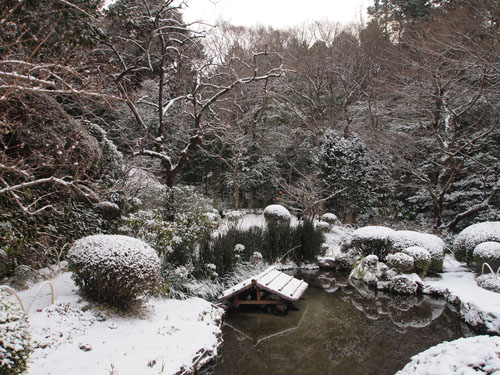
[(277, 214), (15, 345), (473, 235), (322, 226), (113, 269), (401, 262), (330, 218), (470, 355), (421, 258), (403, 239), (403, 284), (487, 252), (372, 240)]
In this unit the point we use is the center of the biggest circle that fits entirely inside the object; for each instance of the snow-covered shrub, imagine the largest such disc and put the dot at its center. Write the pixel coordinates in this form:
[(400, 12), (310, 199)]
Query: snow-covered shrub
[(489, 281), (401, 262), (277, 214), (113, 269), (404, 239), (15, 345), (183, 202), (176, 241), (323, 226), (487, 252), (372, 240), (470, 237), (421, 258), (470, 355), (330, 218), (346, 260), (405, 284)]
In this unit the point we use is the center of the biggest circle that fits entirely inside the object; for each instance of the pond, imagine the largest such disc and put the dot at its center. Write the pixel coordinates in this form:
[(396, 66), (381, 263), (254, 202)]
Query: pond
[(338, 329)]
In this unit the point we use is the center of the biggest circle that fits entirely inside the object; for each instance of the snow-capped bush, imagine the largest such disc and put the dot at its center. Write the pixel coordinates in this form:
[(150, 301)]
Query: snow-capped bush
[(322, 226), (277, 214), (421, 258), (470, 237), (471, 355), (15, 345), (176, 240), (405, 284), (401, 262), (347, 260), (404, 239), (487, 252), (372, 240), (113, 269), (330, 218), (489, 281), (239, 248)]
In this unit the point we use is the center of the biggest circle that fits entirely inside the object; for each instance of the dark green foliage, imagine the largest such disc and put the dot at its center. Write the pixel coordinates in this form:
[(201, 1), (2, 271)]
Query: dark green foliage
[(275, 243), (310, 240)]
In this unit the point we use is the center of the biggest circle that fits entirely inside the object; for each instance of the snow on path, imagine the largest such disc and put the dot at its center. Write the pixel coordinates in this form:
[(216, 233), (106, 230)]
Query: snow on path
[(478, 306), (70, 337)]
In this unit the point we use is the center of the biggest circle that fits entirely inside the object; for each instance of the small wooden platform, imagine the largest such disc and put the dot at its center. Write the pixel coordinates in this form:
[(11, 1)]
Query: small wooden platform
[(273, 287)]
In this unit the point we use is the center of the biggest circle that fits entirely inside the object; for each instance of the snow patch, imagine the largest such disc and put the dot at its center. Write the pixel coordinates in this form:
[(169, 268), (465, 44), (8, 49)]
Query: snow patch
[(472, 355)]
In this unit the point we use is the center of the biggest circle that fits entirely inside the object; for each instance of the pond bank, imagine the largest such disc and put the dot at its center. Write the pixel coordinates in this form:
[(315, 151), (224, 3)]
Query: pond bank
[(72, 336)]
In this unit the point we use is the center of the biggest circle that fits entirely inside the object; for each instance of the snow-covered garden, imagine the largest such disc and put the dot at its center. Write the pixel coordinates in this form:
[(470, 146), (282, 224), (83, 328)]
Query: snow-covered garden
[(105, 319)]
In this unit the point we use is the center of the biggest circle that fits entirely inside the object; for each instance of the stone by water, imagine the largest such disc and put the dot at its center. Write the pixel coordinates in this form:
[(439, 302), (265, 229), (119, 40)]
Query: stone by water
[(339, 329)]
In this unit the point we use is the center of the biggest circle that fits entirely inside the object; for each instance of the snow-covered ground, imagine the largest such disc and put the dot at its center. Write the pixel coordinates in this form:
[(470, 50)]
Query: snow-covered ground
[(478, 307), (72, 337)]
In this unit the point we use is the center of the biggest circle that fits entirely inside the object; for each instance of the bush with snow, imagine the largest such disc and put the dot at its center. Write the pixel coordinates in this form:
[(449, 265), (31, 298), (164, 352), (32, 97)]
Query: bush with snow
[(487, 252), (401, 262), (277, 214), (374, 240), (471, 355), (470, 237), (15, 345), (421, 258), (113, 269), (330, 218), (406, 284), (404, 239), (175, 240), (489, 281), (322, 226)]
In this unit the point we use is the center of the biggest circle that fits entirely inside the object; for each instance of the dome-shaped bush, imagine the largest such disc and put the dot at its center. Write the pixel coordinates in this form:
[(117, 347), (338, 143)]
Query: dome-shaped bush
[(372, 240), (14, 337), (277, 214), (330, 218), (473, 235), (487, 252), (403, 239), (471, 355), (113, 269), (322, 226), (401, 262), (421, 258)]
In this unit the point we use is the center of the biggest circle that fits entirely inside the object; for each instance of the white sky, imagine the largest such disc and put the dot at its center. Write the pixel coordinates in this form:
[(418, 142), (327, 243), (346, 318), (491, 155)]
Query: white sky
[(276, 13)]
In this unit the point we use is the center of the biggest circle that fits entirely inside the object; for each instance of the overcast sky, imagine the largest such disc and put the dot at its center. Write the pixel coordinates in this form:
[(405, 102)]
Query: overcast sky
[(276, 13)]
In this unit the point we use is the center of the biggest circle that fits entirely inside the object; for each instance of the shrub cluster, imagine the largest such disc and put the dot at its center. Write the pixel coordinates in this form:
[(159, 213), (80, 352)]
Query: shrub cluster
[(113, 269), (15, 345), (300, 244)]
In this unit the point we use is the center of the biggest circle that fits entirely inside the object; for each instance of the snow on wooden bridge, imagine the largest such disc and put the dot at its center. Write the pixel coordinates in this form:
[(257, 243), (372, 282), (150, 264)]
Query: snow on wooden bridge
[(271, 287)]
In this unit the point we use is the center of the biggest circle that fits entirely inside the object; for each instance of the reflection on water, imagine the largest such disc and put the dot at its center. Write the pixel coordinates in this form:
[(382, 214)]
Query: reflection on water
[(339, 329)]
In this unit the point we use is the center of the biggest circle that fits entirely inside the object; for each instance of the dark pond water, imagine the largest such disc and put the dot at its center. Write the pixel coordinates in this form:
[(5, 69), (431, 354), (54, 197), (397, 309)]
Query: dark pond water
[(339, 329)]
